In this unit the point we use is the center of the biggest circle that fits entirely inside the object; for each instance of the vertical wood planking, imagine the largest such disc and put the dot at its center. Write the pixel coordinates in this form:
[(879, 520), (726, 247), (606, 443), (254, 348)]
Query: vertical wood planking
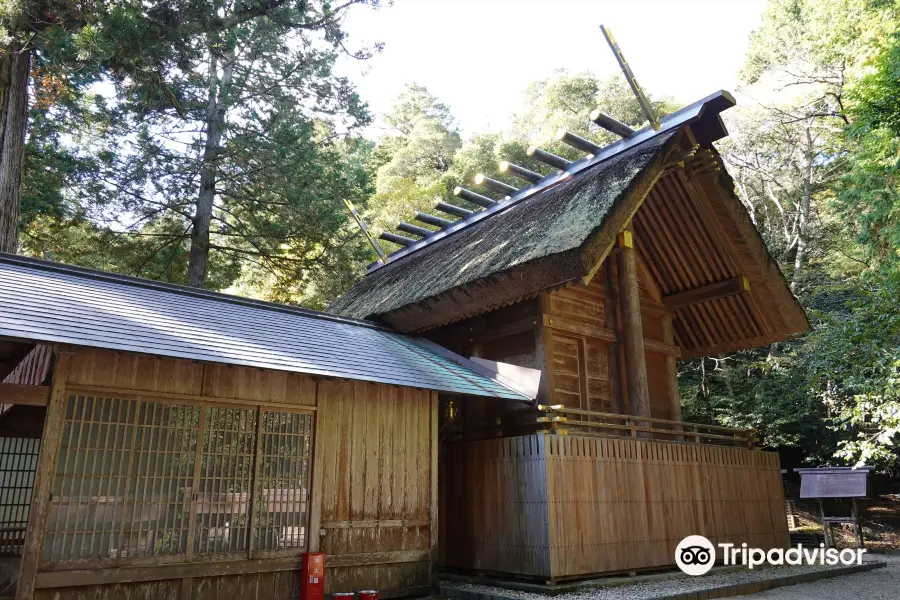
[(378, 471), (581, 505), (497, 509)]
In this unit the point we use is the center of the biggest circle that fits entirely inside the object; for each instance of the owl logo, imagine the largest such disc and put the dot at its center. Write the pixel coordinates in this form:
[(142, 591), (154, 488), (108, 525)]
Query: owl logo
[(695, 555)]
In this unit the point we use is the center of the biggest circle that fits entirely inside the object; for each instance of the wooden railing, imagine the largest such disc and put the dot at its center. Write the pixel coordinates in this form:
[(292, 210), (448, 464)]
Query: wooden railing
[(561, 420)]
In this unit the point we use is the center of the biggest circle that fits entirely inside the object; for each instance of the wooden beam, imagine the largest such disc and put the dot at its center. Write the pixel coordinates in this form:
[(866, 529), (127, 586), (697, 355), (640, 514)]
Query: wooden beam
[(255, 488), (83, 577), (632, 328), (644, 271), (386, 523), (169, 397), (577, 327), (713, 291), (664, 348), (604, 334), (28, 395), (45, 473)]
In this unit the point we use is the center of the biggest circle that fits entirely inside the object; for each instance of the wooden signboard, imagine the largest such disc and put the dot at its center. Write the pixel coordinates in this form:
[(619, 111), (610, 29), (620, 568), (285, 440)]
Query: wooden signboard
[(833, 482), (836, 482)]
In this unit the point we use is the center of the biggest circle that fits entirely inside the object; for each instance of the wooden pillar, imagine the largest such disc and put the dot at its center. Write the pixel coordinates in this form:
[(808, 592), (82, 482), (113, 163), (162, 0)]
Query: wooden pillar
[(611, 321), (44, 474), (318, 464), (543, 349), (632, 329), (434, 517), (671, 371)]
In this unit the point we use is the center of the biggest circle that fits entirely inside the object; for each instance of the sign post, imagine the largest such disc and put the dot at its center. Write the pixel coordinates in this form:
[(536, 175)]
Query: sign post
[(836, 482)]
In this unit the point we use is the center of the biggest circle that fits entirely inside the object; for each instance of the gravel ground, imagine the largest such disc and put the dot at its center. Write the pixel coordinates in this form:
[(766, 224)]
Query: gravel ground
[(880, 584), (872, 585)]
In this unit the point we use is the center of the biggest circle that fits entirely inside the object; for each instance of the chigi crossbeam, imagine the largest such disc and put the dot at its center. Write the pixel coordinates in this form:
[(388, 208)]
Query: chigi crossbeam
[(702, 116), (506, 195)]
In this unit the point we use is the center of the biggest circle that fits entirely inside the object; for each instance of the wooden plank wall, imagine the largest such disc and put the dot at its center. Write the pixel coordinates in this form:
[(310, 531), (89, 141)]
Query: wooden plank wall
[(495, 506), (623, 504), (374, 482), (578, 345), (600, 505), (377, 485)]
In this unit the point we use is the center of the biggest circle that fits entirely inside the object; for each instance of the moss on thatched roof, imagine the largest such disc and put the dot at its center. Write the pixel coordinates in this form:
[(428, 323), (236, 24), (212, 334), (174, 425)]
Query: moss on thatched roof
[(535, 243)]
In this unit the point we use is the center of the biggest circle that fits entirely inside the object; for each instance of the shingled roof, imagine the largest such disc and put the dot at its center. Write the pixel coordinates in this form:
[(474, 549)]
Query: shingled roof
[(47, 302)]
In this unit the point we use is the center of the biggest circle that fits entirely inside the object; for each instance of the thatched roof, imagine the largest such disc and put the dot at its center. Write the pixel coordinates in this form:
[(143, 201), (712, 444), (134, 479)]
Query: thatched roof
[(536, 243), (691, 233)]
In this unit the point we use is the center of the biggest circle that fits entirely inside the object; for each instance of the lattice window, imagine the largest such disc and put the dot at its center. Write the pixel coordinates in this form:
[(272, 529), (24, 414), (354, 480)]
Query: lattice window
[(283, 479), (123, 484), (141, 482), (18, 461), (226, 475)]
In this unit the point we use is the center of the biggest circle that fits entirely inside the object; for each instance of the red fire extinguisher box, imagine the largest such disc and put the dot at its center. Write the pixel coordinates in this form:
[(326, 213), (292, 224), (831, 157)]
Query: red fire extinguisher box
[(312, 576)]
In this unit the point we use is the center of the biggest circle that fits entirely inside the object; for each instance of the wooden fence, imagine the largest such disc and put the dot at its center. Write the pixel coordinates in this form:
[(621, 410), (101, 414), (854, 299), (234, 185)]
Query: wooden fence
[(553, 506), (593, 423)]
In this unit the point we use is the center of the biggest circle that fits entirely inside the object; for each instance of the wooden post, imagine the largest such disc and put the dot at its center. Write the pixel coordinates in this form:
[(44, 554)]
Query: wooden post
[(584, 397), (824, 523), (433, 520), (44, 475), (671, 374), (632, 329), (856, 525), (611, 322), (314, 539), (255, 487), (543, 348)]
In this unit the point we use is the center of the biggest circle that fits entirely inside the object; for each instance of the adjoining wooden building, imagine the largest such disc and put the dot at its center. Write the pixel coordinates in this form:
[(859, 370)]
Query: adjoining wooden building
[(193, 445), (601, 275)]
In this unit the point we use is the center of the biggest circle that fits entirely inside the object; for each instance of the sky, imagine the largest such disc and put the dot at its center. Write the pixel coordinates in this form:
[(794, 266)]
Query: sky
[(478, 56)]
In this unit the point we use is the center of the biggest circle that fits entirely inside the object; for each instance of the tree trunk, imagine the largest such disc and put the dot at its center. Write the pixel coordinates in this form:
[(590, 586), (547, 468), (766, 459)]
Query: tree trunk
[(803, 217), (14, 68), (198, 260)]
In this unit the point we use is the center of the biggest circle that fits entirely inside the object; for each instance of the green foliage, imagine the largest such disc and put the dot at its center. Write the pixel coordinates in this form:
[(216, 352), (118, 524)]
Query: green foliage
[(825, 128), (411, 162), (868, 193), (854, 366), (813, 40), (877, 103), (240, 99)]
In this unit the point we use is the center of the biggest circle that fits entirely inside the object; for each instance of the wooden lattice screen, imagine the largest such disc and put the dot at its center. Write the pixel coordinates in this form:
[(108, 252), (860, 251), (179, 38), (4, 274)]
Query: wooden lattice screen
[(142, 482), (18, 460), (284, 476)]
